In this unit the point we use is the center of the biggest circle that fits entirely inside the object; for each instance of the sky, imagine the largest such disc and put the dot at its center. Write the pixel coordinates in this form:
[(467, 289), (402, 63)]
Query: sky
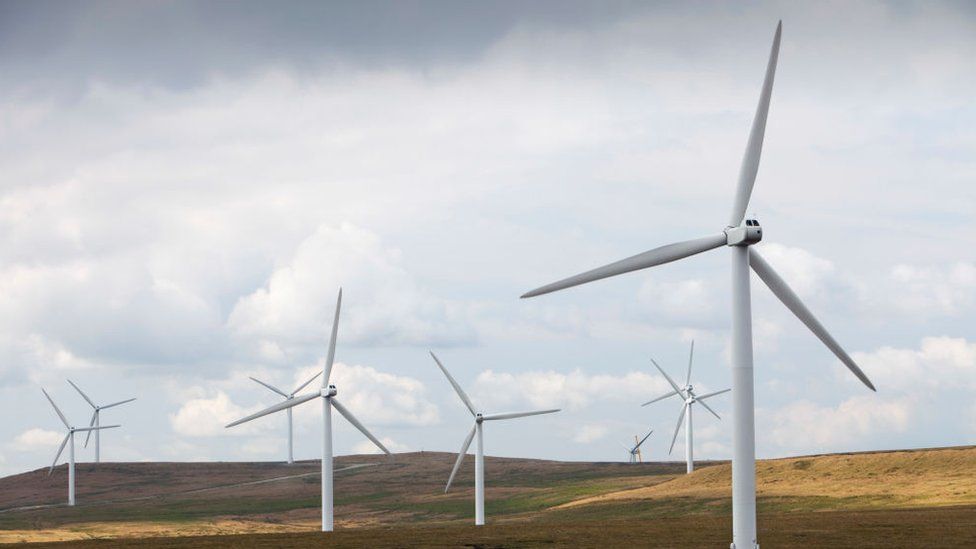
[(185, 186)]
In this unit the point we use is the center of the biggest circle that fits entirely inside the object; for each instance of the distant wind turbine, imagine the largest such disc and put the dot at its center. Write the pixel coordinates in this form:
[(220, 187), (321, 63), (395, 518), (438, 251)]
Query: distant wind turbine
[(96, 419), (479, 457), (739, 235), (687, 393), (327, 393), (634, 451), (288, 396), (71, 452)]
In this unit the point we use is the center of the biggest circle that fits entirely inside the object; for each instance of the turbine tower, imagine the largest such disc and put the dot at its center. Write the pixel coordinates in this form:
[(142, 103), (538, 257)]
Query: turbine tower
[(634, 451), (71, 452), (739, 235), (327, 393), (96, 420), (288, 396), (687, 393), (479, 457)]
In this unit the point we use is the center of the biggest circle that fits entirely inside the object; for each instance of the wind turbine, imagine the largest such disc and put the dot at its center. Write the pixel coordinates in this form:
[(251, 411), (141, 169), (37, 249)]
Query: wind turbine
[(288, 396), (479, 456), (687, 393), (327, 393), (96, 419), (71, 452), (739, 235), (634, 451)]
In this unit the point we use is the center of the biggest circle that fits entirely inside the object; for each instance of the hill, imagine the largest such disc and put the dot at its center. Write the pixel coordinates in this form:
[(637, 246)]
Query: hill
[(913, 494)]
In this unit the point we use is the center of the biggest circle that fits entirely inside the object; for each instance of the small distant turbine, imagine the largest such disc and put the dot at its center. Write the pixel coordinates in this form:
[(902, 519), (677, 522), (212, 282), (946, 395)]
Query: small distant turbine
[(71, 453), (739, 235), (634, 451), (96, 419), (479, 459), (687, 393), (288, 396), (327, 393)]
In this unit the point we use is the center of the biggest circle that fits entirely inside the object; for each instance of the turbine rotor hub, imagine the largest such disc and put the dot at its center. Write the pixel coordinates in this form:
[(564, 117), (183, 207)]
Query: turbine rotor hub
[(329, 392), (746, 234), (479, 417)]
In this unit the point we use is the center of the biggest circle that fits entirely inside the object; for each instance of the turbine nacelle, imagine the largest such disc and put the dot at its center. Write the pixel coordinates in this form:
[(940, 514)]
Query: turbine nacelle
[(329, 392), (479, 417), (746, 234)]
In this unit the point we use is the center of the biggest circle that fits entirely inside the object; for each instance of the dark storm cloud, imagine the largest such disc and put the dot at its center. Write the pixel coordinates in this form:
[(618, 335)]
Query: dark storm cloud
[(180, 45)]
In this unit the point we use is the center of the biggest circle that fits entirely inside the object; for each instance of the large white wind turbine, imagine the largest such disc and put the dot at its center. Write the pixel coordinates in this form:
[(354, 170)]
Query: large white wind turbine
[(327, 393), (96, 420), (739, 235), (634, 451), (71, 452), (479, 456), (687, 394), (288, 396)]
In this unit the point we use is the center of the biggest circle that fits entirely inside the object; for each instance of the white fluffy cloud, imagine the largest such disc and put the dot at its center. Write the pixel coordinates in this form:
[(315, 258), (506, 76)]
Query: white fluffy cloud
[(589, 432), (933, 289), (367, 447), (807, 427), (575, 390), (206, 416), (36, 439), (380, 398), (939, 364)]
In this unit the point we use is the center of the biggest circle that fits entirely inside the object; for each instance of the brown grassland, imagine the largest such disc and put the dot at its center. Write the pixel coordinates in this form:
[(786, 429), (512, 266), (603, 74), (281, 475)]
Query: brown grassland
[(878, 499)]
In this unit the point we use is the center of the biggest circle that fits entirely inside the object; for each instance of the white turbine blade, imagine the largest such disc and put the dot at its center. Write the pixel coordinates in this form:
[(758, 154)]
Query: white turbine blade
[(464, 450), (269, 386), (657, 256), (276, 408), (454, 383), (681, 418), (303, 385), (327, 369), (58, 455), (750, 160), (666, 376), (691, 356), (710, 395), (90, 424), (709, 408), (82, 393), (56, 409), (99, 428), (792, 301), (512, 415), (643, 439), (672, 393), (119, 403), (355, 422)]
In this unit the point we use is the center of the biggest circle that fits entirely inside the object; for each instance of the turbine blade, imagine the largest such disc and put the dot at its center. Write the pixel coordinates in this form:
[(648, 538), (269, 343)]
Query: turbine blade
[(268, 386), (56, 409), (672, 393), (99, 428), (512, 415), (454, 383), (691, 356), (750, 160), (464, 450), (785, 294), (657, 256), (82, 393), (681, 418), (628, 448), (58, 455), (710, 395), (327, 369), (666, 376), (119, 403), (643, 439), (276, 408), (303, 385), (90, 424), (355, 422), (707, 407)]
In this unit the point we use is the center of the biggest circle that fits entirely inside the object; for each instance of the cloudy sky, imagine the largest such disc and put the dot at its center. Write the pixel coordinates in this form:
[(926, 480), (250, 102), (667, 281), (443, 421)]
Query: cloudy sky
[(185, 186)]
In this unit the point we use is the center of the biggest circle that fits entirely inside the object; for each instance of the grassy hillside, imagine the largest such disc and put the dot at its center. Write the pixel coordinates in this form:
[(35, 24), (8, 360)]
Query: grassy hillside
[(524, 498)]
